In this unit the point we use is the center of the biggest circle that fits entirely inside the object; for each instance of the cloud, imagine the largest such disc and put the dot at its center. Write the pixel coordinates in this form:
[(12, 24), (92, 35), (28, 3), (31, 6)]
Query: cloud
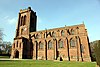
[(39, 20), (10, 20), (6, 17), (14, 20)]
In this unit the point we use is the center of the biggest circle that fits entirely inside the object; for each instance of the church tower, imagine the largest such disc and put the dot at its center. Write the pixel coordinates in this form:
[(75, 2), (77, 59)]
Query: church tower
[(21, 47), (26, 22)]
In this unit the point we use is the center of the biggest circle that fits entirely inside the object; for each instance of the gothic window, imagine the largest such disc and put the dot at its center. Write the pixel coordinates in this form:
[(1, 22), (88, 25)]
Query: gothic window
[(68, 32), (50, 45), (77, 29), (17, 44), (14, 45), (41, 34), (53, 34), (49, 34), (82, 48), (77, 38), (62, 33), (40, 45), (72, 32), (21, 21), (21, 31), (37, 36), (24, 22), (60, 44), (72, 43), (20, 45)]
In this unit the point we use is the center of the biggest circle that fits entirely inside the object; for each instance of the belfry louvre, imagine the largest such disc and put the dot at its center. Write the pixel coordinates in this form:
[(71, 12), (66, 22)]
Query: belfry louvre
[(66, 43)]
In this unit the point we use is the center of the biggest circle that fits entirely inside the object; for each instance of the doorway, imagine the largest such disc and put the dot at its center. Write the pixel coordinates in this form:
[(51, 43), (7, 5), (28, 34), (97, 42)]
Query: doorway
[(17, 54)]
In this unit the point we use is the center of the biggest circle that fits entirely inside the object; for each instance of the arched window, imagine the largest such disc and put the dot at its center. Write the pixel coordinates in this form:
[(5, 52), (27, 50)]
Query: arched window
[(60, 44), (40, 45), (53, 34), (41, 34), (72, 43), (77, 29), (21, 21), (21, 31), (72, 32), (14, 45), (20, 45), (82, 48), (50, 45), (24, 22), (68, 32), (62, 33), (49, 34), (37, 36), (17, 44)]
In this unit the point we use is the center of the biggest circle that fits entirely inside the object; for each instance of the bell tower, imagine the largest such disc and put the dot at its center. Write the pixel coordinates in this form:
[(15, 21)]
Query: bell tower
[(21, 47), (26, 22)]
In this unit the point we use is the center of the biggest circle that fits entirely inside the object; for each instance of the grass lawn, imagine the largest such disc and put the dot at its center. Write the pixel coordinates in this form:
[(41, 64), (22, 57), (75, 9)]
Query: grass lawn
[(41, 63), (4, 57)]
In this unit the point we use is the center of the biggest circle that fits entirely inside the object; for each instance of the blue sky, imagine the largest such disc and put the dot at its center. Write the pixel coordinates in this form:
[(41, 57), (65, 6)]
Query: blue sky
[(52, 14)]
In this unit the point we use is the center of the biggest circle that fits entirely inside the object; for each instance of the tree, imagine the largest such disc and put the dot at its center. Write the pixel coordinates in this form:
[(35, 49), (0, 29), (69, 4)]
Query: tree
[(1, 40), (92, 44), (6, 47), (97, 52), (1, 36)]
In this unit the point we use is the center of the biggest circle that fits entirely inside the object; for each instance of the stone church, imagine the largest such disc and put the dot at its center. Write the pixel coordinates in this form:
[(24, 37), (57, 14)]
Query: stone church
[(69, 43)]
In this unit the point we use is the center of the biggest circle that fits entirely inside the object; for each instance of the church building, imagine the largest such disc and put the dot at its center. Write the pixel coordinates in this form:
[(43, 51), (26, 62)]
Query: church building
[(69, 43)]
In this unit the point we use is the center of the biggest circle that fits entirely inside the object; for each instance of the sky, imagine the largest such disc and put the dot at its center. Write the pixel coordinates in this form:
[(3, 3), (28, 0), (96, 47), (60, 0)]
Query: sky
[(52, 14)]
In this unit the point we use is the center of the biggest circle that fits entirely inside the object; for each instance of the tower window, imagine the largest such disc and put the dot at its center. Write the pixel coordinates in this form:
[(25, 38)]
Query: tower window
[(20, 45), (82, 48), (21, 31), (24, 22), (14, 45), (21, 21), (17, 44)]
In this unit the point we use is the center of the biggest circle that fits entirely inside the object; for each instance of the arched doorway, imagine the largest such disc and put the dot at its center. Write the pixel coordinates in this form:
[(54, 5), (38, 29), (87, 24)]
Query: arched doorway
[(17, 54)]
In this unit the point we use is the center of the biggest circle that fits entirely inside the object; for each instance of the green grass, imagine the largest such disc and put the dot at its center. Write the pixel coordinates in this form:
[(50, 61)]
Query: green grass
[(4, 57), (41, 63)]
